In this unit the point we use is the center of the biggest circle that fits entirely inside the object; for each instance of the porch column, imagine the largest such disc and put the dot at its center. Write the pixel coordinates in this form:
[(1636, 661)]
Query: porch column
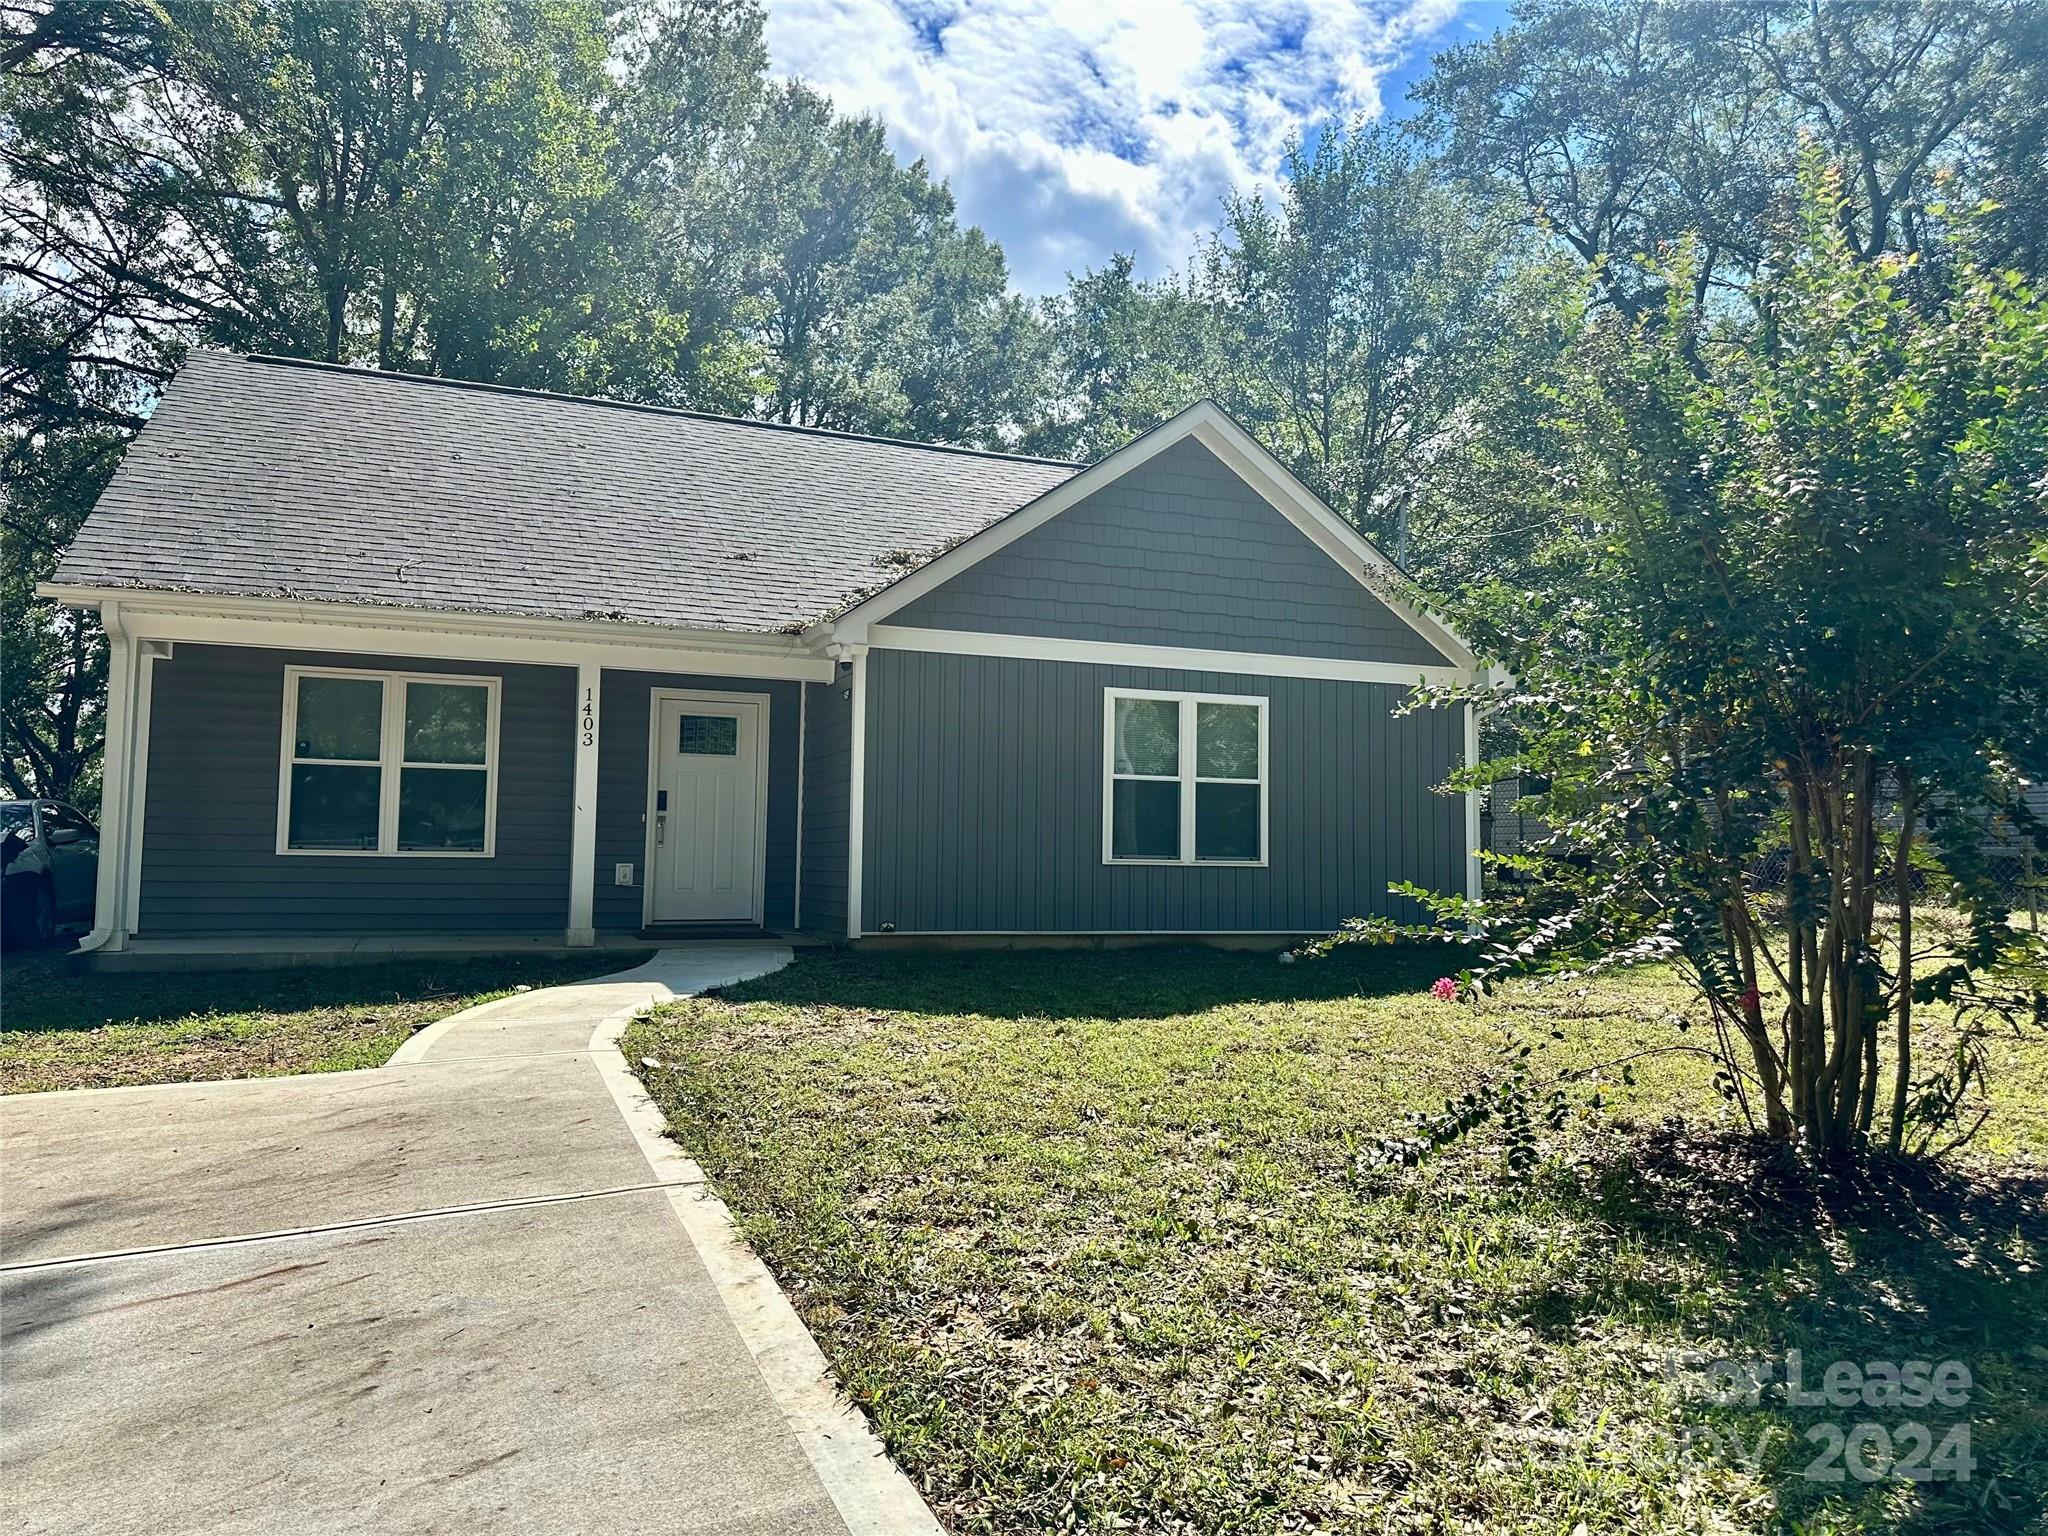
[(111, 920), (583, 830), (857, 788)]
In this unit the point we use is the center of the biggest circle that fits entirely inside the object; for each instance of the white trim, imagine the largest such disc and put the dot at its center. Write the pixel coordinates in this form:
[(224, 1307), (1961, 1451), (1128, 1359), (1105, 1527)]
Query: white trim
[(1187, 775), (110, 923), (147, 654), (856, 788), (1206, 422), (803, 726), (764, 705), (961, 642), (288, 624), (1474, 871), (391, 763), (582, 930)]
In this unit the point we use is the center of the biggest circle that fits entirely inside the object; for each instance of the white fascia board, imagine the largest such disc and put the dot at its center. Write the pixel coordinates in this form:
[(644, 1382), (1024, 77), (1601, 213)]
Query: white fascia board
[(961, 642), (364, 629), (1206, 422)]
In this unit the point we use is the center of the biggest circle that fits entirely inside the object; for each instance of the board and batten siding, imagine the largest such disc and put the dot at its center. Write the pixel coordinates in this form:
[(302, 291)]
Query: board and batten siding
[(624, 707), (1180, 552), (828, 737), (210, 864), (984, 801)]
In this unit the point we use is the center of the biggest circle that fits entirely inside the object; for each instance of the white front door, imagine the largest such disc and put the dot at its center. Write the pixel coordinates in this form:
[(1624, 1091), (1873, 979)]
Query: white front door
[(710, 798)]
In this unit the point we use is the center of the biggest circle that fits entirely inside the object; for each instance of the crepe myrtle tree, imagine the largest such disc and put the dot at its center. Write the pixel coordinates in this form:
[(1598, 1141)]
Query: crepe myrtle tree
[(1788, 678)]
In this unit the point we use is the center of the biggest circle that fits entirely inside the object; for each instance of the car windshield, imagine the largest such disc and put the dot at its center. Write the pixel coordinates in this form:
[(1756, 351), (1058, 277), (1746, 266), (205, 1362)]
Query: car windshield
[(13, 813)]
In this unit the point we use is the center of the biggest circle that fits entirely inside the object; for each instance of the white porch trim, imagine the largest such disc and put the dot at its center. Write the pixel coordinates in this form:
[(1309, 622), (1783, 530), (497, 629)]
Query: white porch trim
[(582, 930), (290, 624), (856, 788)]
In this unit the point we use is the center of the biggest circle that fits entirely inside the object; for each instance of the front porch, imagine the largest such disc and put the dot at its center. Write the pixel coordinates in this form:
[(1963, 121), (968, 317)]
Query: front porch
[(332, 786)]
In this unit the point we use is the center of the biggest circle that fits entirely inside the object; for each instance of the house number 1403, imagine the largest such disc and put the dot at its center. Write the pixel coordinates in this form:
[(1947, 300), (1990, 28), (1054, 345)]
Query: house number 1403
[(586, 719)]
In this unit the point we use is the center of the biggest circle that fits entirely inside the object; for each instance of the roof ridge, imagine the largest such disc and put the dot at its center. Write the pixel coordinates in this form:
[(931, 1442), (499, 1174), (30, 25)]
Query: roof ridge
[(399, 376)]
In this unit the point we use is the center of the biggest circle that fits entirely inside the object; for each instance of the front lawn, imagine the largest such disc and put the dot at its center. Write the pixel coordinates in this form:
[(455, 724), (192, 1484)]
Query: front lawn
[(1093, 1239), (60, 1028)]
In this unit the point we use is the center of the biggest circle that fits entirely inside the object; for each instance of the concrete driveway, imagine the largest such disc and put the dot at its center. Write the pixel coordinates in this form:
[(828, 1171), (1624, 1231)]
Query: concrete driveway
[(469, 1291)]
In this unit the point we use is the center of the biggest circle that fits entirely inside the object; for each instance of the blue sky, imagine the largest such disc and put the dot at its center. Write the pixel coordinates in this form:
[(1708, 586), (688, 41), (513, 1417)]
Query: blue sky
[(1070, 129)]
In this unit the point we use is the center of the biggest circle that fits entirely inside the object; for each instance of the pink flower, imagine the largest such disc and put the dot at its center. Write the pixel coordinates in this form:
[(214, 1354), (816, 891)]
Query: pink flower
[(1444, 990)]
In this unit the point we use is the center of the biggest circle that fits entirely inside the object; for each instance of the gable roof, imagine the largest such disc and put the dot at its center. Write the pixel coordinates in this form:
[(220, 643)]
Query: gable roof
[(270, 477), (1209, 424)]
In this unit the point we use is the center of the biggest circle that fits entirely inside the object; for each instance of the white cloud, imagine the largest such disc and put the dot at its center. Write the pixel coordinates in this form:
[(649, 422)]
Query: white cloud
[(1072, 129)]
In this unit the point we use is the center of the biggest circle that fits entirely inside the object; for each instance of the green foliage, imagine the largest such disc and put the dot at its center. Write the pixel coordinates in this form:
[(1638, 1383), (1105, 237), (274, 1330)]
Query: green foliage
[(1624, 127), (1807, 629), (563, 194)]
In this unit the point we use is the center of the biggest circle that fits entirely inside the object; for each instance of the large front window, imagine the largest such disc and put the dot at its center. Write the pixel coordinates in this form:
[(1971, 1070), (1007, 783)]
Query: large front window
[(1185, 778), (388, 763)]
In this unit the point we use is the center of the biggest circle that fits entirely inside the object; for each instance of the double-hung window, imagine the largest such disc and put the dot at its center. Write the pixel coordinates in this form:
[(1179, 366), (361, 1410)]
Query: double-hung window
[(1184, 778), (388, 763)]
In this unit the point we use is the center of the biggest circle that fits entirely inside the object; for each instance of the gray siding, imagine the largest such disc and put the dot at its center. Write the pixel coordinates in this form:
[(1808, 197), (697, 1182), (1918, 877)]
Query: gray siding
[(984, 804), (1180, 551), (622, 748), (209, 856), (827, 779)]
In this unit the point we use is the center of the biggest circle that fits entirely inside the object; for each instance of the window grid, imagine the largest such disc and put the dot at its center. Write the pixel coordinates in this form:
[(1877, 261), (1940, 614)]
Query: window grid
[(1187, 760), (392, 763)]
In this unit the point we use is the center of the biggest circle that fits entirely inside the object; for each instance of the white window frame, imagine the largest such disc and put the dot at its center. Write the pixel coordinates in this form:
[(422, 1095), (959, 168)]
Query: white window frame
[(390, 762), (1188, 776)]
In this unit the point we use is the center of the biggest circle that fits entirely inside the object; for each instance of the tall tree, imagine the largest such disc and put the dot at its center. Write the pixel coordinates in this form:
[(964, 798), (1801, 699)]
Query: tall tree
[(1809, 630), (871, 309), (1123, 354), (1624, 126), (600, 195), (1356, 318), (1617, 126)]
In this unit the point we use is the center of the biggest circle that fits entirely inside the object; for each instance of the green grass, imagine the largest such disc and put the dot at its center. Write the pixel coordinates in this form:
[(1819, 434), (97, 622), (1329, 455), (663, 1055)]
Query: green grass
[(1091, 1239), (60, 1028)]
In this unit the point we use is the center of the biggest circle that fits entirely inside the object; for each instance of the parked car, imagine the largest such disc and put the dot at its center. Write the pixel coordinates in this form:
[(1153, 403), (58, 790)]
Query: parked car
[(49, 869)]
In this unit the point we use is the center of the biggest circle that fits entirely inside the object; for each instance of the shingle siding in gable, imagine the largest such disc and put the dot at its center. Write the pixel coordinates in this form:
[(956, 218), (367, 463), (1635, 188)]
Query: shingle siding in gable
[(1178, 552)]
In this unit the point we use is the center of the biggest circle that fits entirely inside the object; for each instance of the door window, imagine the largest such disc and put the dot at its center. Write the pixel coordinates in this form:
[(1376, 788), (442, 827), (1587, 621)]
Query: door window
[(710, 736)]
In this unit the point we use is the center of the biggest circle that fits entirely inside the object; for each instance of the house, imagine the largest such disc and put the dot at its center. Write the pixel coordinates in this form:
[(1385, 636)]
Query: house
[(402, 656)]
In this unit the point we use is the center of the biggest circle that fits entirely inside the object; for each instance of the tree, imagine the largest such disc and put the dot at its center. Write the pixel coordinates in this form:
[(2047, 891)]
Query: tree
[(1617, 127), (594, 195), (1811, 630), (1623, 127), (1354, 318), (1124, 354), (868, 308)]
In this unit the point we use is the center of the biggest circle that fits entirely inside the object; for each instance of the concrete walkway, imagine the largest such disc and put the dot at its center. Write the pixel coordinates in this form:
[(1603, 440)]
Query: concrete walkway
[(474, 1290)]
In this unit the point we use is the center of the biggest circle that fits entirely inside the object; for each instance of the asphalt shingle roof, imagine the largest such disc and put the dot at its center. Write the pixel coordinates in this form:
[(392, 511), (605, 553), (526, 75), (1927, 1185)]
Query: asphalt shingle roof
[(265, 477)]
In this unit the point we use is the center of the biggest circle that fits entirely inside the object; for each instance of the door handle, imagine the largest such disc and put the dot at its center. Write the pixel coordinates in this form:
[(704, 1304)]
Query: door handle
[(660, 828)]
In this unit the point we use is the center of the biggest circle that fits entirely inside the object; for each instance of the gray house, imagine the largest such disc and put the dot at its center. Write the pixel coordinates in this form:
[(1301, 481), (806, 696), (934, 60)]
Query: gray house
[(398, 656)]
